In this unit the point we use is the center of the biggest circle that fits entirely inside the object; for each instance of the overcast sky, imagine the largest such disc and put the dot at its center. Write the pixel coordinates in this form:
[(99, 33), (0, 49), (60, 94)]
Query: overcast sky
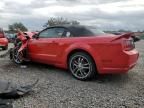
[(105, 14)]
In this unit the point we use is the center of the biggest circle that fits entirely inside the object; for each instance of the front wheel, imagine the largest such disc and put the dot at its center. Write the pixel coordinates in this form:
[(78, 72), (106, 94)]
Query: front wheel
[(82, 66), (17, 57)]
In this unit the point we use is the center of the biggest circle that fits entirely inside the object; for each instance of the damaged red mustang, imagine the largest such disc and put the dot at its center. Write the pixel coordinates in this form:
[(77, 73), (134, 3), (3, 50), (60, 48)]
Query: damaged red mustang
[(83, 50)]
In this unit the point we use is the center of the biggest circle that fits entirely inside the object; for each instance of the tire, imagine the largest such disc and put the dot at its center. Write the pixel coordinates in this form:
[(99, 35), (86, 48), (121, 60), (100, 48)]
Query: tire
[(82, 66), (16, 56), (5, 48)]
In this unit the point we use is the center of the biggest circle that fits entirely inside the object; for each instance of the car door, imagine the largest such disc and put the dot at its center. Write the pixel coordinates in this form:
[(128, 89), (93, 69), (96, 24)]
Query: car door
[(46, 47)]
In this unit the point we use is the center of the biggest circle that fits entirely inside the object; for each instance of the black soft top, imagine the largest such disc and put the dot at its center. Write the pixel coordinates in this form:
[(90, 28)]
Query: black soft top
[(78, 30)]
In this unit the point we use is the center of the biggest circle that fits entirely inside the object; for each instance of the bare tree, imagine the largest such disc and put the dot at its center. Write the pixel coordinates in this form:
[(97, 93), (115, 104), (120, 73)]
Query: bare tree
[(60, 21), (15, 26)]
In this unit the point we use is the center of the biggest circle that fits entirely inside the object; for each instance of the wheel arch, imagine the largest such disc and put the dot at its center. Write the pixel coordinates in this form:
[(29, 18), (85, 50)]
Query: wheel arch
[(80, 50), (77, 50)]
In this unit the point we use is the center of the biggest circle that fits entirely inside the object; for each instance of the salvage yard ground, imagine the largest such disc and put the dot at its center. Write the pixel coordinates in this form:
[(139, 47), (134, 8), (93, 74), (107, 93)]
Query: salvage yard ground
[(58, 89)]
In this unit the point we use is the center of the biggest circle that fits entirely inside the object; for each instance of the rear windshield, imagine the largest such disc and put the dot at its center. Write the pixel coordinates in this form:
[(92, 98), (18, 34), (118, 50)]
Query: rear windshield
[(86, 31)]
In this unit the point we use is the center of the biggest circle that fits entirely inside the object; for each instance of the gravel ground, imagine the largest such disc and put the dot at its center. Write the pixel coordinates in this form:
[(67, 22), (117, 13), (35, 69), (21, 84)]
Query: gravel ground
[(58, 89)]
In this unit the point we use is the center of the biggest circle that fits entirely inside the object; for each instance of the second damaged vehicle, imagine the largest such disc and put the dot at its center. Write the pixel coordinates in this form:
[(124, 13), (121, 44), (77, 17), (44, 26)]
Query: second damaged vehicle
[(3, 40), (83, 50)]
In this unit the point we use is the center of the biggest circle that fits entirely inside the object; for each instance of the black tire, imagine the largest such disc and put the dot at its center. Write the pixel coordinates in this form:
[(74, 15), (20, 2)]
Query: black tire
[(5, 48), (16, 57), (82, 66)]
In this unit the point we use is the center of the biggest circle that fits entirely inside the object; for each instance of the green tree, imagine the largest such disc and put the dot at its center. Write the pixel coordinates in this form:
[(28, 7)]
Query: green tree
[(17, 25), (60, 21)]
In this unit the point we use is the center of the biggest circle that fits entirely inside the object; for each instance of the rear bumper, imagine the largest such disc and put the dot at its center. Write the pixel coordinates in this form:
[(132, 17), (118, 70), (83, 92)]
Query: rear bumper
[(3, 45), (129, 59), (3, 42)]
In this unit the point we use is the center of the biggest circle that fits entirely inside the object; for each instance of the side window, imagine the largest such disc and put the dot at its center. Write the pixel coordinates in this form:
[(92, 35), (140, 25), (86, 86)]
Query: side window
[(52, 33), (67, 33)]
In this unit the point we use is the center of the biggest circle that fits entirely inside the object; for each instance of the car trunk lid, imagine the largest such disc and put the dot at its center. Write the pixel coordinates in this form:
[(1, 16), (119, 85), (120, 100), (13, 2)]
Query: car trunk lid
[(127, 41), (126, 36)]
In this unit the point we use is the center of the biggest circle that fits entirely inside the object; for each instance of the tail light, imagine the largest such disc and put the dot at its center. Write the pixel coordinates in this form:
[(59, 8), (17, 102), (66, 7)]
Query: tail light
[(128, 45)]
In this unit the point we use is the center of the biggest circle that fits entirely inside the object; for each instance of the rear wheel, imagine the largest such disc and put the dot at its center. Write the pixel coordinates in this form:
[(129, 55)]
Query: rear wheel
[(82, 66)]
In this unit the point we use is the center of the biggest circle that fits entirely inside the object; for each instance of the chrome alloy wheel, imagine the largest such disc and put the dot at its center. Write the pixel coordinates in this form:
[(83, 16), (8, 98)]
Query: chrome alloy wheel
[(17, 57), (80, 66)]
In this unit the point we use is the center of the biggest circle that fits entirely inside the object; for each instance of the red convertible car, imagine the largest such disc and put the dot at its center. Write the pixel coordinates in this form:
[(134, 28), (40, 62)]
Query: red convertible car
[(3, 40), (83, 50)]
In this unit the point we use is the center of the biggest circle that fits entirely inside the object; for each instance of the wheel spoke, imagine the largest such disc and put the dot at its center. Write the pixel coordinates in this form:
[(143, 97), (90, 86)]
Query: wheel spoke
[(82, 60), (82, 72), (79, 60), (18, 58), (85, 67), (75, 69), (76, 72), (86, 64), (75, 64)]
